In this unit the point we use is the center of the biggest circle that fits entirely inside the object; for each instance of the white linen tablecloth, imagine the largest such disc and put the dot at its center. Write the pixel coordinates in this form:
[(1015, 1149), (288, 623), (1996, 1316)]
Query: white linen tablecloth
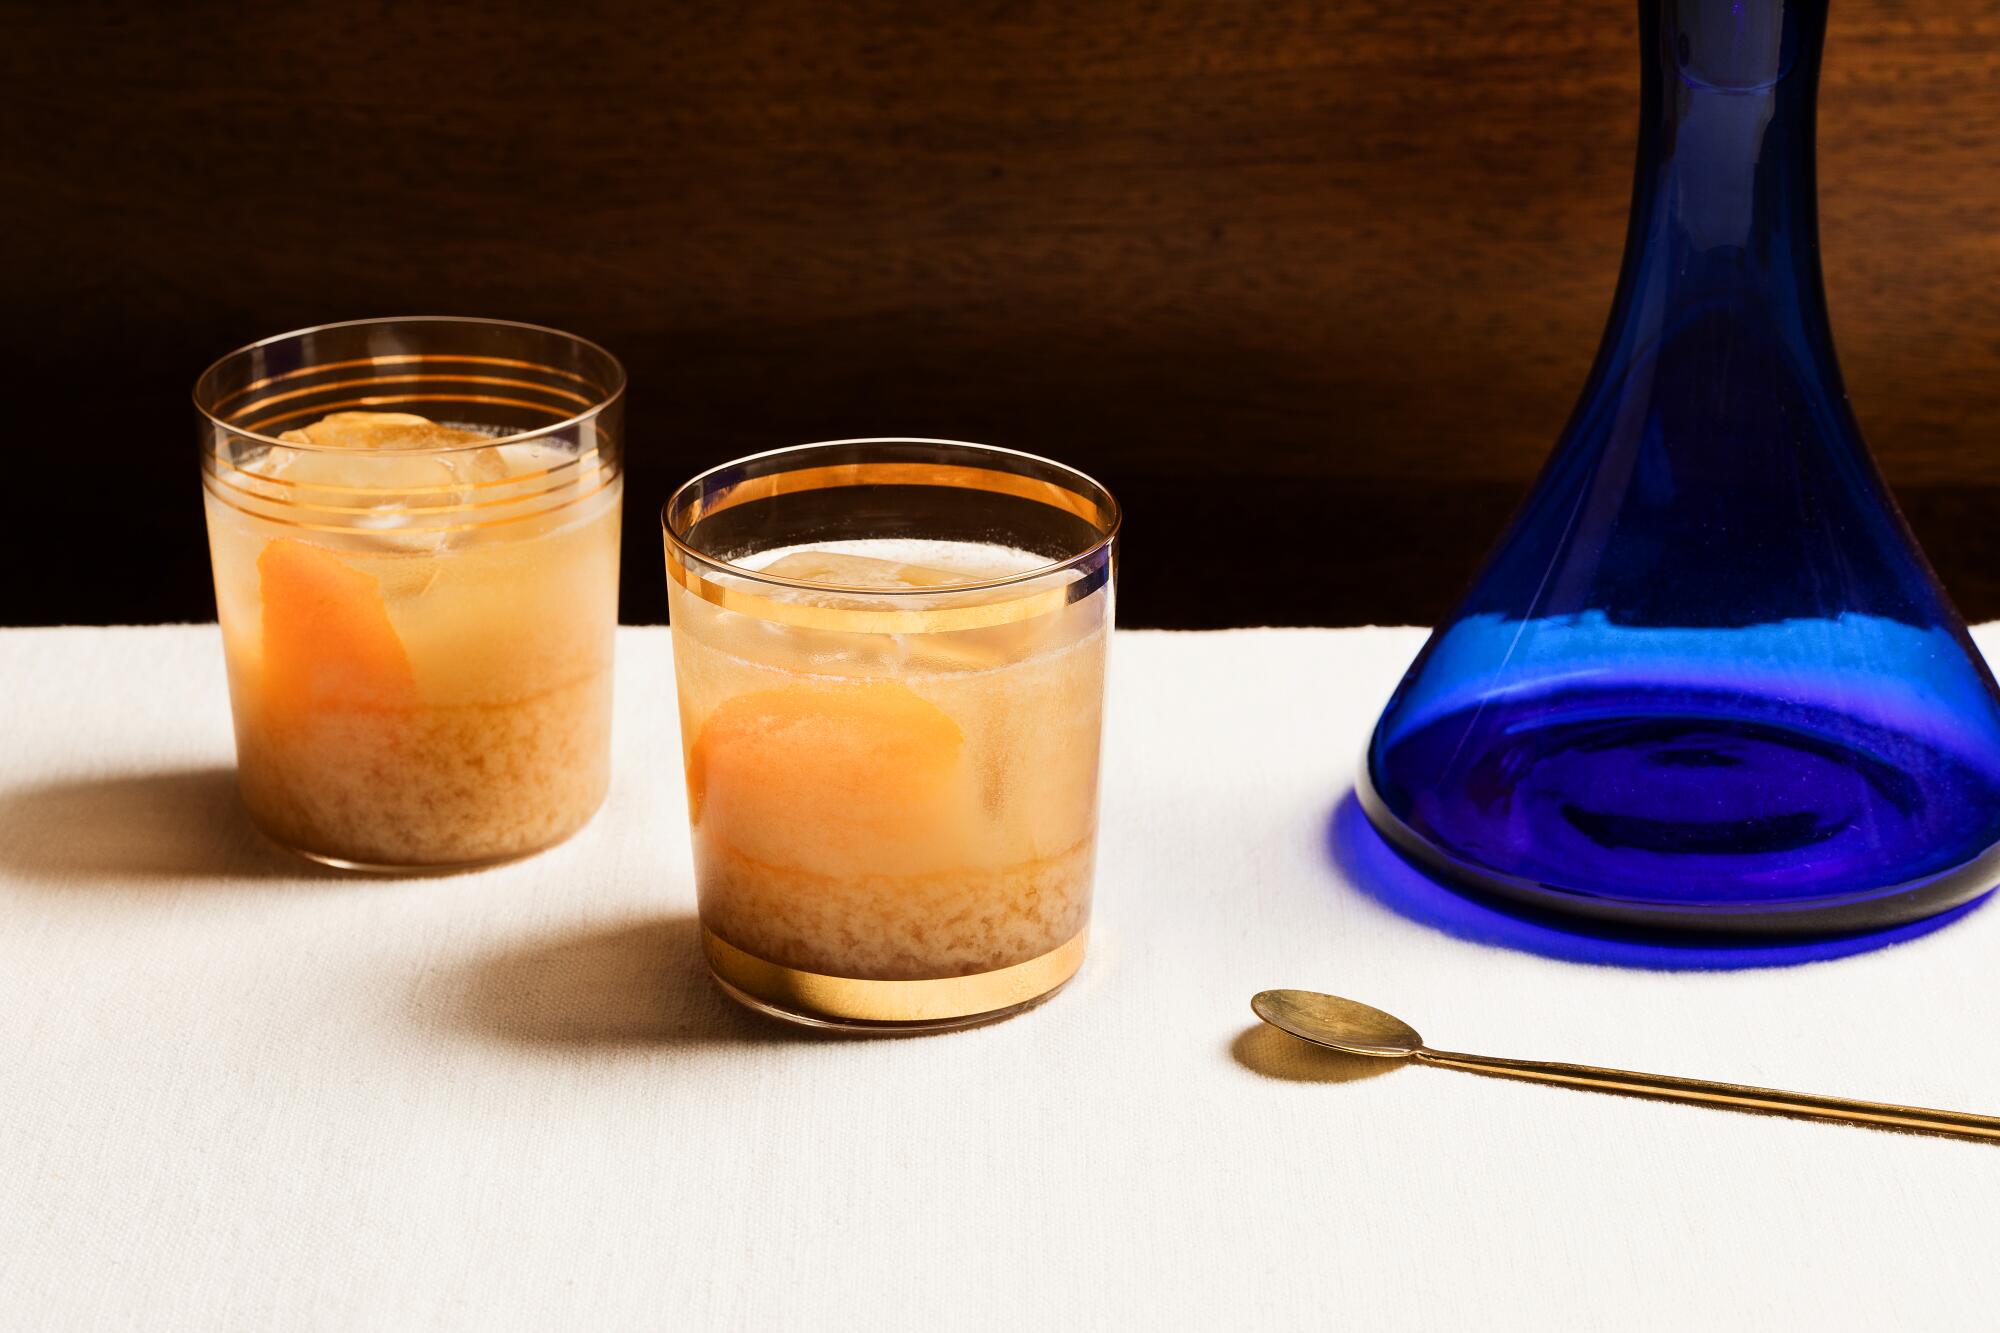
[(235, 1094)]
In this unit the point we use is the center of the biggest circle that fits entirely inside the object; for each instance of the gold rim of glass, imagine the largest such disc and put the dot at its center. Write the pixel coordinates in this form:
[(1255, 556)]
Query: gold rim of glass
[(605, 395), (1084, 496)]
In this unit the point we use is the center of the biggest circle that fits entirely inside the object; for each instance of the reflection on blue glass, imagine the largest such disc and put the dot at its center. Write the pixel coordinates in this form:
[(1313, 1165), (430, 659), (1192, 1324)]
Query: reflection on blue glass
[(1705, 678), (1371, 865)]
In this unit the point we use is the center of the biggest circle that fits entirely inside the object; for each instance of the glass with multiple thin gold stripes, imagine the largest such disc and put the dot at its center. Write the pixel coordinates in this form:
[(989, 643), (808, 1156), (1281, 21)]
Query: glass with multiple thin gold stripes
[(890, 659), (414, 531)]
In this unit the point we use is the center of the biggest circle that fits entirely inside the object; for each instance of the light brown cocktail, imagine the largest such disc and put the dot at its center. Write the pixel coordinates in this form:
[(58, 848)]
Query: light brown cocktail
[(417, 608), (891, 741)]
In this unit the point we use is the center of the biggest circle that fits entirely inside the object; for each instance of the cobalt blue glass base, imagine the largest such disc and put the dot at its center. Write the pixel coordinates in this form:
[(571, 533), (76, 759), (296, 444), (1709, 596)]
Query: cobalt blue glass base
[(1684, 806), (1706, 680)]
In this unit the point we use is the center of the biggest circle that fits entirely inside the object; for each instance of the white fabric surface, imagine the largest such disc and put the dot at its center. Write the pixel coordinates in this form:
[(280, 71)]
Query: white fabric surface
[(234, 1095)]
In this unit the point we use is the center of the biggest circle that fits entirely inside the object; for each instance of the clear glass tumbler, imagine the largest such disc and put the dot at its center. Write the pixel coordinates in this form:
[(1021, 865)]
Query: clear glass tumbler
[(890, 657), (414, 531)]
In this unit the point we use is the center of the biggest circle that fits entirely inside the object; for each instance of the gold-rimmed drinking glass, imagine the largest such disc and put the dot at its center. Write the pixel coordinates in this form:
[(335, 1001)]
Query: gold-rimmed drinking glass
[(890, 660)]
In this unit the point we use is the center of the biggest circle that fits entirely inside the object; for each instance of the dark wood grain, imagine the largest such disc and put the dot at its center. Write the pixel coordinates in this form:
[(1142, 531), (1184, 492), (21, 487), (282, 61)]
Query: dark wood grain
[(1311, 283)]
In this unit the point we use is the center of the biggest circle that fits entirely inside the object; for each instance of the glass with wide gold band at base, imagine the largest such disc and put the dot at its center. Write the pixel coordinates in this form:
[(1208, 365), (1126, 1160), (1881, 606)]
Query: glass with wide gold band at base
[(890, 661), (414, 528)]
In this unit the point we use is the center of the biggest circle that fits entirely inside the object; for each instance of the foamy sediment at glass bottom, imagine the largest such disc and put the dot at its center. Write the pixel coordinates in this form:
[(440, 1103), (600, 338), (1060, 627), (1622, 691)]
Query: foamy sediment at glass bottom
[(949, 923), (448, 784)]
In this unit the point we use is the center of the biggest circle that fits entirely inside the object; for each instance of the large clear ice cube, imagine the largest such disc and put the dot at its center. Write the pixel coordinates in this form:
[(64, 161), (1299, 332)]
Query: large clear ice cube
[(400, 476), (837, 569)]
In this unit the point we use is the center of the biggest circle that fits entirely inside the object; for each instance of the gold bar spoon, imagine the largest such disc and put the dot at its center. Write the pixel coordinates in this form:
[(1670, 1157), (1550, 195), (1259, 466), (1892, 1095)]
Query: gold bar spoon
[(1358, 1029)]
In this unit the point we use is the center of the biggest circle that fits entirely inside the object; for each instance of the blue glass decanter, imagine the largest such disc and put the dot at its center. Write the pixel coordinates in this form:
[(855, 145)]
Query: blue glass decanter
[(1706, 679)]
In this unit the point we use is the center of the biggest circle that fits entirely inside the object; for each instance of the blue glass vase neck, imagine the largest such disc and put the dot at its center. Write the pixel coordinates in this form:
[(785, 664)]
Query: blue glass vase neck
[(1713, 435), (1723, 210)]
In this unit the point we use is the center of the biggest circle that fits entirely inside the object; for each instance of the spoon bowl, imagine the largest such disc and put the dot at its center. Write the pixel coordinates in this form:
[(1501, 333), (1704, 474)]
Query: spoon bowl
[(1338, 1024)]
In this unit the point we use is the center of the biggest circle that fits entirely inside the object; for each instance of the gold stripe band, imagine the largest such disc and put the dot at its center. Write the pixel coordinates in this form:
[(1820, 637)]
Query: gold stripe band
[(279, 489), (951, 475), (433, 377), (854, 999), (272, 514), (403, 359), (1007, 606), (264, 424)]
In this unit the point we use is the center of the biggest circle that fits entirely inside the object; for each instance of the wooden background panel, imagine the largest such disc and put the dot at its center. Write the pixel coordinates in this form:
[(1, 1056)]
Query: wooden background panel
[(1909, 187), (1312, 285)]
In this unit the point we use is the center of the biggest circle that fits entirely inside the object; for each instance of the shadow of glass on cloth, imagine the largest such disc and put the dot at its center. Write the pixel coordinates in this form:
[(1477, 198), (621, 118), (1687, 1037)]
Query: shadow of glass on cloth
[(1262, 1049), (1371, 865), (635, 985), (171, 826)]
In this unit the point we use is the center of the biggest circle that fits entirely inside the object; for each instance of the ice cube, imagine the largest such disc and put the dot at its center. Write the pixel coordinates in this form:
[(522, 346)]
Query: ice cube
[(541, 468), (381, 430), (938, 641), (840, 570), (395, 474), (535, 459)]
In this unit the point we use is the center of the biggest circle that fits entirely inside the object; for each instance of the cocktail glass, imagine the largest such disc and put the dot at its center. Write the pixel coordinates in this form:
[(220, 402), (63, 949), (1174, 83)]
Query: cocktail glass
[(890, 658), (414, 531)]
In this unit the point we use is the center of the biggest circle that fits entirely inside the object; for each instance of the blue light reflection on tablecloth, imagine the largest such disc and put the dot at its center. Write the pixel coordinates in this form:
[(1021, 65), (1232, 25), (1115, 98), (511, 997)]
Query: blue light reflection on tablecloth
[(1370, 865)]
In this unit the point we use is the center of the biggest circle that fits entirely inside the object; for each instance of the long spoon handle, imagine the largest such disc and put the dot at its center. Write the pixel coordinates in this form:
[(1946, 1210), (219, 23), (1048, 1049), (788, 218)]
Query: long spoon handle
[(1734, 1096)]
